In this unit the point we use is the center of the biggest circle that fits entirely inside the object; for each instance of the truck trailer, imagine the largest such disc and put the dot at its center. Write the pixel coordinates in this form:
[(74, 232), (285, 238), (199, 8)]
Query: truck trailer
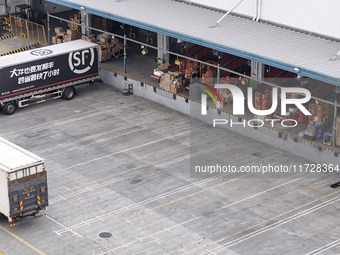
[(23, 183), (46, 73)]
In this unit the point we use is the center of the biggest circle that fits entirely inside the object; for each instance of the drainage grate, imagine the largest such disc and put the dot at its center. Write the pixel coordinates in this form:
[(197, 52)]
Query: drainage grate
[(105, 235)]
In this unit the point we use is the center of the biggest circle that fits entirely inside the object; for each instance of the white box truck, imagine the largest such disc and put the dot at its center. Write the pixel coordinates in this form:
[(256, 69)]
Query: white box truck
[(47, 73), (23, 183)]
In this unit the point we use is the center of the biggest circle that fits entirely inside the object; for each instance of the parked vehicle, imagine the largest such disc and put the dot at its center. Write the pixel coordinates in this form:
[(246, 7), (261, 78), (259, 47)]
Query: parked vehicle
[(46, 73), (23, 182)]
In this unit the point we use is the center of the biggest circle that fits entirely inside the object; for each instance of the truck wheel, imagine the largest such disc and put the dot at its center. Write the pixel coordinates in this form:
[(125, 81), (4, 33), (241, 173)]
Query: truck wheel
[(9, 108), (69, 93)]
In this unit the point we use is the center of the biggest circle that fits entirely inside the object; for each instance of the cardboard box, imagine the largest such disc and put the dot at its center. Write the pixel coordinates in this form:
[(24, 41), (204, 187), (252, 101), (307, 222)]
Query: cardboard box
[(119, 47), (337, 137), (167, 87), (175, 90), (167, 79), (114, 41), (338, 119), (104, 40), (67, 38), (163, 67), (58, 30), (162, 79), (90, 39), (63, 34), (72, 32), (54, 40), (59, 41)]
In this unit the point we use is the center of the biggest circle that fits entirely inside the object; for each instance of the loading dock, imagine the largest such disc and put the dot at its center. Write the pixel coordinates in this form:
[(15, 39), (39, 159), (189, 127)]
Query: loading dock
[(271, 77), (127, 161)]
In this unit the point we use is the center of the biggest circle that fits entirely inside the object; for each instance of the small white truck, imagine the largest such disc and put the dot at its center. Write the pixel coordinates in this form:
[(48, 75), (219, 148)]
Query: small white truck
[(23, 183)]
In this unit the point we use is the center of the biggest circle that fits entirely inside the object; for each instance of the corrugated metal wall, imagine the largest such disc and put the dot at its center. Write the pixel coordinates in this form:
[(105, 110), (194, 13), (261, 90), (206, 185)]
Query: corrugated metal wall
[(318, 16)]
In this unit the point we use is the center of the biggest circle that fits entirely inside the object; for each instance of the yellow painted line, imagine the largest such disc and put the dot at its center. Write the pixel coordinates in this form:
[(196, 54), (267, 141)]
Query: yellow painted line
[(311, 190), (118, 216), (76, 193), (187, 252), (264, 222), (201, 191), (71, 228), (22, 241), (298, 195), (110, 250), (281, 202), (323, 185), (153, 234)]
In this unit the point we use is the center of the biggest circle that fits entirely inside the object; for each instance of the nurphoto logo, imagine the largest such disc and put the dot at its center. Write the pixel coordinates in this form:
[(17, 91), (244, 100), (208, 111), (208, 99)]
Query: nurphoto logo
[(239, 104)]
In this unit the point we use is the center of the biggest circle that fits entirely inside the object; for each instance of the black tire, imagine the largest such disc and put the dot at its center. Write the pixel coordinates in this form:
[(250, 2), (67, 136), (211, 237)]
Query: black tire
[(69, 93), (9, 108)]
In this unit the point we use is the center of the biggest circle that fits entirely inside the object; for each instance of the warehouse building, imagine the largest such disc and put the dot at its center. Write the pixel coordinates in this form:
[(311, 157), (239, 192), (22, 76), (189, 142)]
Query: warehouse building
[(158, 156), (167, 45)]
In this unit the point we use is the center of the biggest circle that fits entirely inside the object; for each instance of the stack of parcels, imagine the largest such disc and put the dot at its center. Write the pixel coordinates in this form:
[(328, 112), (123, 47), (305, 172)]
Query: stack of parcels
[(320, 114), (116, 48), (104, 49), (263, 101), (225, 94), (172, 82), (107, 48), (71, 35), (67, 36), (208, 78), (75, 18), (89, 38), (101, 23)]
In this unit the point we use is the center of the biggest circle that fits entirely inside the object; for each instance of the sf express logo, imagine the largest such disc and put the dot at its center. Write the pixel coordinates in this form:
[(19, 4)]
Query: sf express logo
[(81, 61), (41, 52)]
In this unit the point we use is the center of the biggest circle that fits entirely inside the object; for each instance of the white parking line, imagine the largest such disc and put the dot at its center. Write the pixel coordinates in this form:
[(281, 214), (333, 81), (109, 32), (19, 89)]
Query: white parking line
[(276, 224), (325, 248), (122, 151), (63, 226)]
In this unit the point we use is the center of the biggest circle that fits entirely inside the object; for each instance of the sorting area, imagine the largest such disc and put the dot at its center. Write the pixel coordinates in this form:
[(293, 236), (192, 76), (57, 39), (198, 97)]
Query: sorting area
[(119, 183)]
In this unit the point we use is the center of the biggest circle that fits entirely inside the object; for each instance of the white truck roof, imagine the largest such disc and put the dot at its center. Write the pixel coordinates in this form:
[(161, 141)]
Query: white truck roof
[(53, 50), (13, 157)]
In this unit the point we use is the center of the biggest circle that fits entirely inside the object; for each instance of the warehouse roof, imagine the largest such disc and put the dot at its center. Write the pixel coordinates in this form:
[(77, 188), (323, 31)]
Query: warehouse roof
[(272, 45)]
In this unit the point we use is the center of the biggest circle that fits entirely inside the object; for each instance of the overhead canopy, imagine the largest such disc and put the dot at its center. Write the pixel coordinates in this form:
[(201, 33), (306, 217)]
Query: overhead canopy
[(265, 43)]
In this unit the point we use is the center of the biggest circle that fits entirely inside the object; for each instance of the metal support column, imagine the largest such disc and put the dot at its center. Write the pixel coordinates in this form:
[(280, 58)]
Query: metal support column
[(48, 29), (124, 53), (257, 70), (218, 67), (337, 92), (163, 46), (85, 22)]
